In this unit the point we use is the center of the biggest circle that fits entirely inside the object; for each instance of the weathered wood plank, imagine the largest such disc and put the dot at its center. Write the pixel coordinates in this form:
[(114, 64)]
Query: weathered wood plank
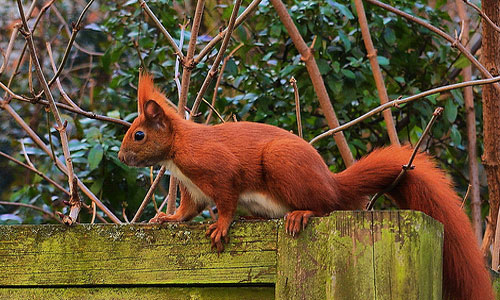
[(135, 254), (171, 293), (362, 255), (407, 256), (348, 255)]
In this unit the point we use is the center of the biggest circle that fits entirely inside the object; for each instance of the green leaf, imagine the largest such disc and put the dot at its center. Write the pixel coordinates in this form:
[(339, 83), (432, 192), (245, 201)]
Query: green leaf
[(97, 185), (348, 73), (95, 156), (462, 62), (389, 36), (455, 135), (323, 66), (345, 40), (450, 111), (343, 9), (383, 61)]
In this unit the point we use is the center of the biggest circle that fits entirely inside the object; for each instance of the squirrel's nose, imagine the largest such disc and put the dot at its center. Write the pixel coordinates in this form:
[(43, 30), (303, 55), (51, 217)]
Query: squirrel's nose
[(121, 156)]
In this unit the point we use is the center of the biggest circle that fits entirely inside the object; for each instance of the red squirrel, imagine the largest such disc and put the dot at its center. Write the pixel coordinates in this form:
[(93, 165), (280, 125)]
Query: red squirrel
[(274, 173)]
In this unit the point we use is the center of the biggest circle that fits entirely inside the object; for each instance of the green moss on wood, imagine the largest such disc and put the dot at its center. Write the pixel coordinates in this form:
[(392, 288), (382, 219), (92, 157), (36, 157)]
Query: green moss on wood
[(349, 255), (171, 293), (135, 254), (362, 255)]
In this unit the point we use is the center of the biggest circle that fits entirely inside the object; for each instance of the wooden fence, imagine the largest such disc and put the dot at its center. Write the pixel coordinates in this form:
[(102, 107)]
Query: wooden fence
[(348, 255)]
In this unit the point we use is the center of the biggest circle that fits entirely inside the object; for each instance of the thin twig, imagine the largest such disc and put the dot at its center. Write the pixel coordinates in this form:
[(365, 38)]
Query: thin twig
[(61, 126), (177, 59), (218, 58), (68, 32), (124, 213), (219, 78), (454, 42), (148, 195), (466, 196), (10, 46), (172, 195), (212, 109), (397, 102), (293, 82), (48, 213), (408, 166), (25, 46), (483, 15), (76, 28), (249, 10), (377, 74), (158, 24), (187, 63), (94, 213), (26, 155), (36, 171), (6, 106), (80, 111), (162, 205), (58, 82), (13, 37)]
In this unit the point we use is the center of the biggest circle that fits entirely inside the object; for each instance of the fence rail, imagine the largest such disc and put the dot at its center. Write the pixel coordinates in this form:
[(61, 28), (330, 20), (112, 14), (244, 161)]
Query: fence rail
[(348, 255)]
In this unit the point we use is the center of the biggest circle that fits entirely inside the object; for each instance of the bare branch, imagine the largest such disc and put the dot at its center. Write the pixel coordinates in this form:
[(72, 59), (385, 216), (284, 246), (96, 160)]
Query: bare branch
[(36, 171), (483, 15), (23, 51), (148, 195), (5, 105), (212, 109), (317, 80), (172, 195), (41, 78), (187, 66), (76, 28), (149, 12), (377, 74), (452, 41), (249, 10), (187, 63), (475, 203), (48, 213), (69, 32), (397, 102), (218, 58), (80, 111), (219, 78), (177, 60), (13, 36), (293, 82)]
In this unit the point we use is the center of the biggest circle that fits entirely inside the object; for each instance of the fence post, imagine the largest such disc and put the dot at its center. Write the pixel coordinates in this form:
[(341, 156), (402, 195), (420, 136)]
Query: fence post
[(362, 255)]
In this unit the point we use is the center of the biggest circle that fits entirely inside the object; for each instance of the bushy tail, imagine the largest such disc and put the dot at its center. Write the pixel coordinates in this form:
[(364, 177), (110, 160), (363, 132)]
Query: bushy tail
[(425, 188)]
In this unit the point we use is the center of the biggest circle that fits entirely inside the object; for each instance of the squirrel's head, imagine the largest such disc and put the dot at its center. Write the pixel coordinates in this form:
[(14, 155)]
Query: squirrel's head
[(148, 141)]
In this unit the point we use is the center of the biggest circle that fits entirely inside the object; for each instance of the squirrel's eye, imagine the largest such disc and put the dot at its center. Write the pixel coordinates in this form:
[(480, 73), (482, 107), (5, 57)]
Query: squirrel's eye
[(139, 135)]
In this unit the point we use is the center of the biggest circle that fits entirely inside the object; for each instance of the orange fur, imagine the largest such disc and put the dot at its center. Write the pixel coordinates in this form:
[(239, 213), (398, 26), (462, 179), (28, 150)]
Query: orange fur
[(275, 173)]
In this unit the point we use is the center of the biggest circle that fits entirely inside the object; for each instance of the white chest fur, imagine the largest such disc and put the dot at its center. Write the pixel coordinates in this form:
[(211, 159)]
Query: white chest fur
[(257, 203), (196, 193)]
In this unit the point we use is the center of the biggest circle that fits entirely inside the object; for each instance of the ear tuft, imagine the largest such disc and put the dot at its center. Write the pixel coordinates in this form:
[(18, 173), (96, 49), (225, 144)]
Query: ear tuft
[(145, 90), (153, 112)]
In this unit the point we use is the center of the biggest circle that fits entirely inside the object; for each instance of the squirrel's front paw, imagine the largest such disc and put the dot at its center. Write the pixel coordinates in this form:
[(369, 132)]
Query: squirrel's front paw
[(162, 218), (218, 234)]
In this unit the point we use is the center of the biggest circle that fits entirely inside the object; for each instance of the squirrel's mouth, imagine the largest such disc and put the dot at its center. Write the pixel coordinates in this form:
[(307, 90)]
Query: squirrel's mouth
[(128, 159)]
